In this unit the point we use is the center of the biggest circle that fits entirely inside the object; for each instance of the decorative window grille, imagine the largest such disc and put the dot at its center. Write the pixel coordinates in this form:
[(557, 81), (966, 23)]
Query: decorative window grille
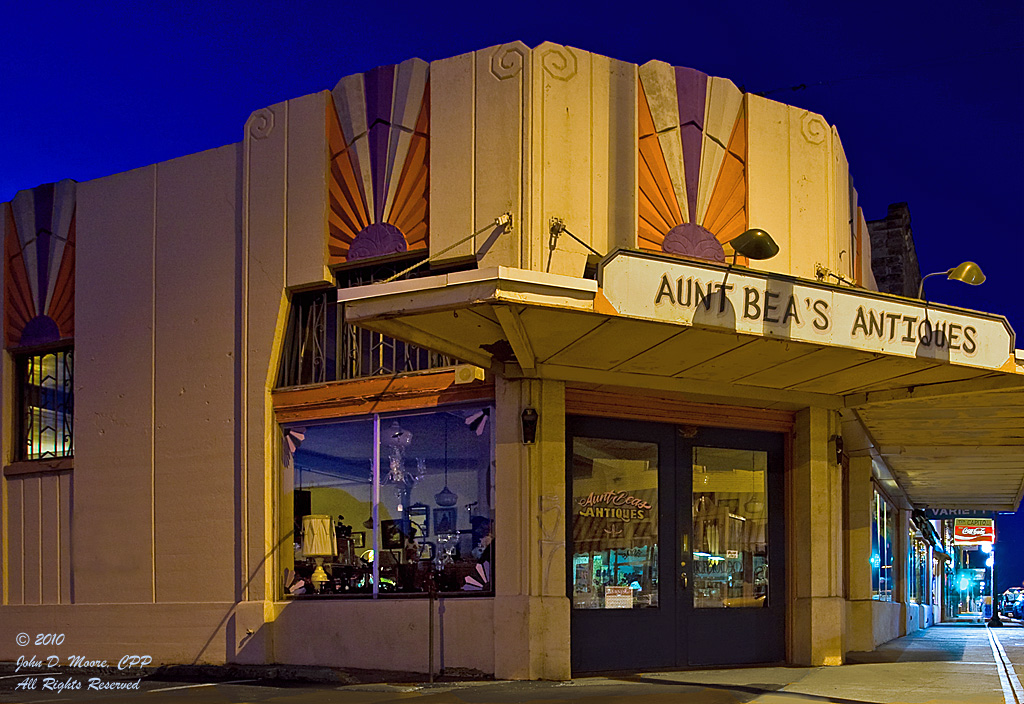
[(46, 404), (320, 346)]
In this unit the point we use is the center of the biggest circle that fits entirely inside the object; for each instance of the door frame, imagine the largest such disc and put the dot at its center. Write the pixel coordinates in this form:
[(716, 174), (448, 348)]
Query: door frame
[(679, 629)]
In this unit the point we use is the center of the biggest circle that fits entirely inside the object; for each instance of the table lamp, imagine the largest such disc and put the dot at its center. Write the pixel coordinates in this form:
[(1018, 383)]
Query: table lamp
[(318, 543)]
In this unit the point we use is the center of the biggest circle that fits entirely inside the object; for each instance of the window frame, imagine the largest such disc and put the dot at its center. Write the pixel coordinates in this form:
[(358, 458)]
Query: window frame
[(19, 358), (374, 535)]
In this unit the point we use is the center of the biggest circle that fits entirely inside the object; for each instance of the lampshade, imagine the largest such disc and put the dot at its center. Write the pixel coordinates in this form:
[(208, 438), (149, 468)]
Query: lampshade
[(968, 272), (317, 536), (755, 244)]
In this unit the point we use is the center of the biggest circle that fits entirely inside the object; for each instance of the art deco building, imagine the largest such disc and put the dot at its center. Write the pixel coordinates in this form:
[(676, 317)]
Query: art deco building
[(504, 328)]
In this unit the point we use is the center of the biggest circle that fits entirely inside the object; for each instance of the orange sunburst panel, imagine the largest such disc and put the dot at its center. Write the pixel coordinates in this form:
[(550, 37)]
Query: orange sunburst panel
[(410, 207), (657, 182), (341, 215), (658, 210), (728, 198), (645, 120), (19, 306), (654, 217), (335, 137), (728, 205), (348, 214), (62, 304)]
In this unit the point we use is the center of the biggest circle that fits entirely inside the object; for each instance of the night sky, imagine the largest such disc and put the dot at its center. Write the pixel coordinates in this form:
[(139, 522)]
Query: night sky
[(927, 97)]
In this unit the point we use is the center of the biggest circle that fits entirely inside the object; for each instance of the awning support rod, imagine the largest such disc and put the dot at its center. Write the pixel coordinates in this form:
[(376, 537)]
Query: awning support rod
[(503, 220)]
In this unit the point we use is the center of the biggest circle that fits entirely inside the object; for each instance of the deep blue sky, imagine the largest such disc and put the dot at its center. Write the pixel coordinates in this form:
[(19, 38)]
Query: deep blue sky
[(927, 97)]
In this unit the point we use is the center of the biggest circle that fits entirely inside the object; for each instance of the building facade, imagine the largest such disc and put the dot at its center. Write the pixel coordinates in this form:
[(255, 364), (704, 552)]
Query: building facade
[(479, 360)]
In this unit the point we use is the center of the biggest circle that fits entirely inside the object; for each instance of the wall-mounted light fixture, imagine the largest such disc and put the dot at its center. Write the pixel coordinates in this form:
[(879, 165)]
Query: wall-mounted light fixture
[(968, 272), (839, 449), (530, 418)]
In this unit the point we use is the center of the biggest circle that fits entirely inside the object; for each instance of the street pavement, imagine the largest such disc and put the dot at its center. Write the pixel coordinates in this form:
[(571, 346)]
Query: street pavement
[(960, 662)]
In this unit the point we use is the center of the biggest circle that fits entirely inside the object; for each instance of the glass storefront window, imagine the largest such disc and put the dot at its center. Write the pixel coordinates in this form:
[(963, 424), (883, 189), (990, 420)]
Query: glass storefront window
[(883, 537), (424, 518), (614, 524), (917, 571), (730, 524)]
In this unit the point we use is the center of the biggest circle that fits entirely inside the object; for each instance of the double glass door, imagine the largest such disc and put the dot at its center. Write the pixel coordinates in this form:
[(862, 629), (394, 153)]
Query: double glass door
[(675, 546)]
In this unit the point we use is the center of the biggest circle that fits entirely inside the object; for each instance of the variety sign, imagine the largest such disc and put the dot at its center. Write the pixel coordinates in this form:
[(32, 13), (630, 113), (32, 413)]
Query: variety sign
[(650, 287), (968, 531), (939, 514)]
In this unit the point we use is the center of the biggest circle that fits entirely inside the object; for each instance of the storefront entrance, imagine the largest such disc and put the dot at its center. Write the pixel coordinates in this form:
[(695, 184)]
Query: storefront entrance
[(676, 545)]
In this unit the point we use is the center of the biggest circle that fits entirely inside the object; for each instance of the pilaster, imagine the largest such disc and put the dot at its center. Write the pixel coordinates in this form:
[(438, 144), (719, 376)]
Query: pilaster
[(815, 558), (531, 609)]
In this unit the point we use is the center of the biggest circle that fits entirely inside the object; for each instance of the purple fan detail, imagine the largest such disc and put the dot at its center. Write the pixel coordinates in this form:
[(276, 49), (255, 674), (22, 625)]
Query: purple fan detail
[(693, 241), (377, 240), (40, 330)]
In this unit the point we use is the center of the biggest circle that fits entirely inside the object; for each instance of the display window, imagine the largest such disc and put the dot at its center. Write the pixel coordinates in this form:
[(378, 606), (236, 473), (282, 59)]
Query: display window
[(883, 543), (917, 569), (393, 504)]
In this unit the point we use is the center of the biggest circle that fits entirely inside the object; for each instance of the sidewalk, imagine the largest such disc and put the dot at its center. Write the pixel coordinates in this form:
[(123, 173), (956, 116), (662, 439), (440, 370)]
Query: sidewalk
[(949, 662)]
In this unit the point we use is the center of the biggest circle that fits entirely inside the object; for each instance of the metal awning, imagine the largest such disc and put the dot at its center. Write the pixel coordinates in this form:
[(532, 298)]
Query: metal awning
[(939, 389)]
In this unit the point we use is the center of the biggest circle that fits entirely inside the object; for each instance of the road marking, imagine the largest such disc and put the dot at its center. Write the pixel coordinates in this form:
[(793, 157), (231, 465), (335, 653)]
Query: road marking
[(193, 686), (1012, 692)]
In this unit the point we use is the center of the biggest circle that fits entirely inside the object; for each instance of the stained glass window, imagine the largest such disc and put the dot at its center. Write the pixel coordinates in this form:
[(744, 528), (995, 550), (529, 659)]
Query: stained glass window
[(46, 404)]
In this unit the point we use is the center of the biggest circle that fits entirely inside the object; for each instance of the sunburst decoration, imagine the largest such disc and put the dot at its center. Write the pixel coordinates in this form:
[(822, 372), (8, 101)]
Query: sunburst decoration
[(378, 133), (692, 158), (479, 579), (39, 265)]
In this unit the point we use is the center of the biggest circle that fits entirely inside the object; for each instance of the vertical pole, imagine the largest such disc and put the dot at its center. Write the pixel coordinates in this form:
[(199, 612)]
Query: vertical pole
[(430, 639), (995, 621), (375, 472)]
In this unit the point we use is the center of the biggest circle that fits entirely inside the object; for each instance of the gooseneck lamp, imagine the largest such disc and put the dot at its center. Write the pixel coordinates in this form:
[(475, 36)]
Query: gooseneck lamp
[(968, 272), (754, 244)]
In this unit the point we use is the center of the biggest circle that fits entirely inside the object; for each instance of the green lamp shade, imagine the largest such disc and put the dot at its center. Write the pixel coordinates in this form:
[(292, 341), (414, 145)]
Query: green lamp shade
[(968, 272), (755, 244)]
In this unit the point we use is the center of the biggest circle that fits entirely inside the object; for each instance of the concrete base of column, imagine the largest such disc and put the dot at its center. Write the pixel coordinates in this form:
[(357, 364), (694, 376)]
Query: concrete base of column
[(818, 622), (531, 638)]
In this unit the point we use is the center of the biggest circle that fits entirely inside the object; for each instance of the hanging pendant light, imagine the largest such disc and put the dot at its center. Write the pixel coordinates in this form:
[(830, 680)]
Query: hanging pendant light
[(446, 497)]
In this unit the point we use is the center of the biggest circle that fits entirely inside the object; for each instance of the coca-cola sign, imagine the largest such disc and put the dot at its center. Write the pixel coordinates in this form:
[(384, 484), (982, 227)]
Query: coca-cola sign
[(968, 531)]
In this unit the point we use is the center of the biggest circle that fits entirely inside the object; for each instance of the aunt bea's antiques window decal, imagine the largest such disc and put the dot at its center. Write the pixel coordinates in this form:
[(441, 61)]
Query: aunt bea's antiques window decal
[(407, 513)]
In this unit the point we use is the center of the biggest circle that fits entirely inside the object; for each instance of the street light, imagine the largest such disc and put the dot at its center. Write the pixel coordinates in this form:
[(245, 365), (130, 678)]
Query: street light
[(991, 562)]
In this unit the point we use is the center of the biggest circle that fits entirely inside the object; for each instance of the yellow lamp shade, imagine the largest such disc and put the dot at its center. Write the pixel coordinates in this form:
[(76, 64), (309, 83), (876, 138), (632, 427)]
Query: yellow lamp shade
[(317, 536)]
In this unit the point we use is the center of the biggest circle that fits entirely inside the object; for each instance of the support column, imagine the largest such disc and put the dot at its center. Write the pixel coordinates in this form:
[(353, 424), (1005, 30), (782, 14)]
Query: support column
[(816, 552), (531, 609), (860, 634)]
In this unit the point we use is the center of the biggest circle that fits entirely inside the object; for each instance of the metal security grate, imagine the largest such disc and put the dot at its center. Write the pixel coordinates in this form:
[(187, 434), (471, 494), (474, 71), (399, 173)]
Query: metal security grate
[(46, 404), (320, 346)]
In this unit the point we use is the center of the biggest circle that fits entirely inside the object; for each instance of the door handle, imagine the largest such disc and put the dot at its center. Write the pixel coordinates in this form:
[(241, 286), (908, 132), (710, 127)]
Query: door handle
[(685, 581)]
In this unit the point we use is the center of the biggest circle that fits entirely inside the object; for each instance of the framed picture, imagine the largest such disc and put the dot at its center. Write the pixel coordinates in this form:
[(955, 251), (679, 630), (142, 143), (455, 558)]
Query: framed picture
[(419, 517), (445, 520), (391, 534), (359, 540)]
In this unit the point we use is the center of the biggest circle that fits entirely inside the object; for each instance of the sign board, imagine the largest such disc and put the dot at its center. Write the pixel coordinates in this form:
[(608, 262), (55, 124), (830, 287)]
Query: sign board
[(968, 531), (618, 597), (756, 303), (939, 514)]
